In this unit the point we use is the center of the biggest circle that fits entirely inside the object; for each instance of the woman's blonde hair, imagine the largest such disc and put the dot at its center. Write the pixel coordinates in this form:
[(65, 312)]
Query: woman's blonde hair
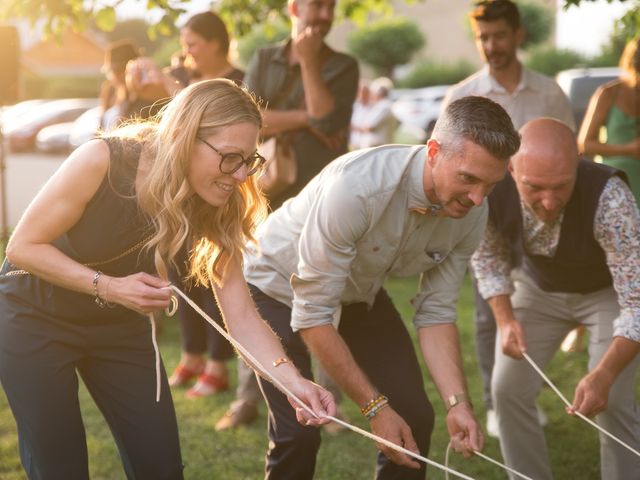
[(216, 235), (630, 59)]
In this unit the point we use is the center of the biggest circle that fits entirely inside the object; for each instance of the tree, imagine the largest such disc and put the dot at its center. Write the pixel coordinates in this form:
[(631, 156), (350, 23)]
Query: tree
[(261, 36), (386, 43), (134, 29), (537, 21), (240, 15)]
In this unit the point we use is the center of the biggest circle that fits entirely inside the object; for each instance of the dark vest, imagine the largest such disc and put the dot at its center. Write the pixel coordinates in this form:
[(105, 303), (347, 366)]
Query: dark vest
[(579, 264)]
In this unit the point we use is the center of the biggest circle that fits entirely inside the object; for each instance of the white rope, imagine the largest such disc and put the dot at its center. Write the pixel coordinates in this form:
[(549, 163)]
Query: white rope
[(258, 366), (563, 398), (154, 340), (485, 457)]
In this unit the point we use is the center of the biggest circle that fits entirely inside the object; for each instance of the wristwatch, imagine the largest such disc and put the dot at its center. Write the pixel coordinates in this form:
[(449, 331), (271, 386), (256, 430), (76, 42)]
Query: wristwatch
[(453, 400)]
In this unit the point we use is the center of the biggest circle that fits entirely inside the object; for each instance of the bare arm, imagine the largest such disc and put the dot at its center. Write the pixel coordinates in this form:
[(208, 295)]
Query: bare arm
[(327, 345), (595, 118), (246, 326), (57, 208), (440, 345)]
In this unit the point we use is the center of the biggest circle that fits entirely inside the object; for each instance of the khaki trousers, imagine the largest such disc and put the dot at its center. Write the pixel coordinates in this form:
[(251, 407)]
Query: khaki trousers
[(546, 318)]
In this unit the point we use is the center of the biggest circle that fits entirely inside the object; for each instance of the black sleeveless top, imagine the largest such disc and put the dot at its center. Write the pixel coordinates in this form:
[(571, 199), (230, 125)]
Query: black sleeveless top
[(579, 263), (107, 237)]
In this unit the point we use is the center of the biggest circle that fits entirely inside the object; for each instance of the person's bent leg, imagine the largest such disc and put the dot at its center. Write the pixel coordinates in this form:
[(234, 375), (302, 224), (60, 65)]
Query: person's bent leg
[(382, 347), (37, 373), (486, 332), (515, 384), (292, 447), (120, 375), (622, 416)]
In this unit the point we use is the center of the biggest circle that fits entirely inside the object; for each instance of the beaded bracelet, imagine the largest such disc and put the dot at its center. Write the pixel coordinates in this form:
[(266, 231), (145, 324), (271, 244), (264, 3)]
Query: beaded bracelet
[(376, 408), (99, 300), (371, 404)]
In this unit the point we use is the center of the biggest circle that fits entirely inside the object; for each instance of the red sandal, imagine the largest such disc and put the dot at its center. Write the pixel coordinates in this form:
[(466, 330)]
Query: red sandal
[(208, 384), (182, 374)]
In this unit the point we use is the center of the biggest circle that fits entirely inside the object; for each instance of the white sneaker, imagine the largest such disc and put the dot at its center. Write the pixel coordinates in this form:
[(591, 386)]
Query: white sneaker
[(542, 417), (492, 424)]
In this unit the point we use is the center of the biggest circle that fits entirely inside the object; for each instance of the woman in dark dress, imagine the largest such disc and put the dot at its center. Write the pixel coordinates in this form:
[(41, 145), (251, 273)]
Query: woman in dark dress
[(88, 263)]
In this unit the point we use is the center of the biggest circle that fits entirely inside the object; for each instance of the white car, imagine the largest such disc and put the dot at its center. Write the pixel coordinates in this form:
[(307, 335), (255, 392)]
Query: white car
[(86, 127), (420, 107), (578, 84)]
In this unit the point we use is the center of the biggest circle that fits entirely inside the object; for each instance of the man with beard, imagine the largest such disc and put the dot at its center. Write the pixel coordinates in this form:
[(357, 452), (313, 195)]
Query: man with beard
[(318, 270), (525, 95), (562, 233), (308, 90)]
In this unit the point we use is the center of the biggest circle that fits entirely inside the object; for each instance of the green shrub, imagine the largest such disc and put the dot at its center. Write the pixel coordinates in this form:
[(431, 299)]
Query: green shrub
[(550, 60), (385, 44), (427, 73)]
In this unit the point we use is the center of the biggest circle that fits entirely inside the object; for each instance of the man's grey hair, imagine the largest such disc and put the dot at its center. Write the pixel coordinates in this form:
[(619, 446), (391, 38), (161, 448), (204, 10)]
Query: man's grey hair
[(481, 121)]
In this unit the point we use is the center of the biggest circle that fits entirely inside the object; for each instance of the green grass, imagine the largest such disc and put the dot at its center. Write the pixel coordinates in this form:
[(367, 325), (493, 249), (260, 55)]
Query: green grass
[(237, 455)]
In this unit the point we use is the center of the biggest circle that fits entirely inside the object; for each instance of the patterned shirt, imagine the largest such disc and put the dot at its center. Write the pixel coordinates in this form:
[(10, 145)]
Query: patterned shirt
[(616, 228)]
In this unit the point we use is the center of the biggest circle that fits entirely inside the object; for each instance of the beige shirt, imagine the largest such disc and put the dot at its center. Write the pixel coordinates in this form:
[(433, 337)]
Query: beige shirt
[(352, 226), (535, 96)]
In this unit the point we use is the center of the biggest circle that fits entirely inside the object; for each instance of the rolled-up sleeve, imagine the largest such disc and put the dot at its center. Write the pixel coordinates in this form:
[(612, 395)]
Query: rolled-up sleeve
[(440, 286), (343, 85), (617, 230), (491, 265), (327, 246)]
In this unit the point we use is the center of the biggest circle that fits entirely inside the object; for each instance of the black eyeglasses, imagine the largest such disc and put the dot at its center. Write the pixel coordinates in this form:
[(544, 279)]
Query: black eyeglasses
[(232, 162)]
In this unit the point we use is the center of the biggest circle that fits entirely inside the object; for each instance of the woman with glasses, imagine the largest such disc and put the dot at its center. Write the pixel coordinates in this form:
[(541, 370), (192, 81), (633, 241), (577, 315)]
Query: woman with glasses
[(88, 263), (205, 45)]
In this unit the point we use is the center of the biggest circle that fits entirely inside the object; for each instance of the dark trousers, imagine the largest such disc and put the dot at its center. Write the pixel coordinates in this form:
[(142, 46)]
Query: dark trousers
[(382, 347), (197, 336), (196, 333), (40, 359)]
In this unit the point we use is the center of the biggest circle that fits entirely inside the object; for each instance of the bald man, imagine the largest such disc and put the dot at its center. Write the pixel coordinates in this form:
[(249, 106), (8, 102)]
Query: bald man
[(562, 233)]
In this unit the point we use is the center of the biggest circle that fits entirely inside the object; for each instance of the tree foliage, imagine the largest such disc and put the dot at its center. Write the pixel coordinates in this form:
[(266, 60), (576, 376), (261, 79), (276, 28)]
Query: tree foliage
[(386, 43), (537, 20), (242, 15)]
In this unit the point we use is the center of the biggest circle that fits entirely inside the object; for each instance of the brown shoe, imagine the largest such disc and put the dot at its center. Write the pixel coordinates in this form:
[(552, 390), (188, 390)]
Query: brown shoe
[(239, 413)]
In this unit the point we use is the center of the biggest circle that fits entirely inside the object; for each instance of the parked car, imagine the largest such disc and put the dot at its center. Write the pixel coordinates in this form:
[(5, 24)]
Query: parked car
[(579, 84), (21, 134), (12, 113), (54, 138), (85, 127), (419, 107)]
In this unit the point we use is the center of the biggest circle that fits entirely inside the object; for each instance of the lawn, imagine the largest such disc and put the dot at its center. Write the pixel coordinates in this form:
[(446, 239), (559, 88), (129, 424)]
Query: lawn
[(237, 455)]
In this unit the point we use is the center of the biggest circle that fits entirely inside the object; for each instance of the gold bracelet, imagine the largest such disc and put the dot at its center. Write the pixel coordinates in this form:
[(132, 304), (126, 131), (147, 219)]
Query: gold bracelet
[(279, 361), (371, 404)]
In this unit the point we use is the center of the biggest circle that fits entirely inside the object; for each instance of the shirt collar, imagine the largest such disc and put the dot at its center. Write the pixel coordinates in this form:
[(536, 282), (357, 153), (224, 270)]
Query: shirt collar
[(488, 84), (418, 201)]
